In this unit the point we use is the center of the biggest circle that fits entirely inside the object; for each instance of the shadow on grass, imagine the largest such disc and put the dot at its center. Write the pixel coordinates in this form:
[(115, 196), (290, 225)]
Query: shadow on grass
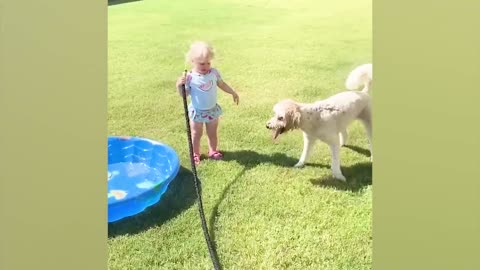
[(179, 196), (118, 2), (213, 216), (359, 150), (249, 160), (358, 176)]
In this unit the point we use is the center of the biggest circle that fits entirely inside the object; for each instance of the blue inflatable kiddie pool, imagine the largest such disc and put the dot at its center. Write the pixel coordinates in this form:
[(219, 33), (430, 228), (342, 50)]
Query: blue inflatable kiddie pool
[(139, 172)]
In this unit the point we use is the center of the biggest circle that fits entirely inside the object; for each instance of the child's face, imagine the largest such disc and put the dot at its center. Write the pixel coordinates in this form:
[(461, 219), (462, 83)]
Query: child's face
[(201, 65)]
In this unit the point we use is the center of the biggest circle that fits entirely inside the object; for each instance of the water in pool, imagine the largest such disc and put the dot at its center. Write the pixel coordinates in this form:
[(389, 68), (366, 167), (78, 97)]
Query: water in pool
[(127, 179)]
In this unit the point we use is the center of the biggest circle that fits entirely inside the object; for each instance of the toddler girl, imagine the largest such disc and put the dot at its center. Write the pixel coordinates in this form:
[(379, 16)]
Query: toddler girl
[(201, 84)]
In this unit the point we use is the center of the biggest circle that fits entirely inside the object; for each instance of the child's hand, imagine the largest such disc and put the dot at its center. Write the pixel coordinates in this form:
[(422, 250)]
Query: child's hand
[(181, 81), (236, 98)]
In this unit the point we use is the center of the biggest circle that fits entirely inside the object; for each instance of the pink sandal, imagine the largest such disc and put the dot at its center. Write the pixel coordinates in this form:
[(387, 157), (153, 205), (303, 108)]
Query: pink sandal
[(196, 158), (215, 155)]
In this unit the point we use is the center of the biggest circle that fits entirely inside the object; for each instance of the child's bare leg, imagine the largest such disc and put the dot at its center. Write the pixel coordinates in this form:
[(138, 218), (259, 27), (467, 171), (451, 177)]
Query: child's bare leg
[(212, 128), (197, 131)]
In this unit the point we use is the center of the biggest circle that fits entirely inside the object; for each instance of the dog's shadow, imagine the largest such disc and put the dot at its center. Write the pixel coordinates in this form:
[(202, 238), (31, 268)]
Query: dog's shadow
[(359, 150), (119, 2), (250, 159), (179, 196), (358, 177)]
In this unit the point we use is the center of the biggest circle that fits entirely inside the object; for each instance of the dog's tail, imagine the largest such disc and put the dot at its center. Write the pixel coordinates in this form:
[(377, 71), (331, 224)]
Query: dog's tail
[(360, 76)]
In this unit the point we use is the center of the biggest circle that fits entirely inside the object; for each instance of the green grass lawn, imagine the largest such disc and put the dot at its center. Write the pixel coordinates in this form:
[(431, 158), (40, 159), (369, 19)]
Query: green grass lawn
[(262, 212)]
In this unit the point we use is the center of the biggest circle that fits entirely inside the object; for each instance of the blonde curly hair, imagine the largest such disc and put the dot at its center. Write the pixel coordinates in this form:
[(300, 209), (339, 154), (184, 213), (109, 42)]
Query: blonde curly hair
[(200, 50)]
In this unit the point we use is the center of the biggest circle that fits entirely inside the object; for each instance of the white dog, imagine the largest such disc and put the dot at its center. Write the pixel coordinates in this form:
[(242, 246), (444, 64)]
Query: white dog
[(328, 119)]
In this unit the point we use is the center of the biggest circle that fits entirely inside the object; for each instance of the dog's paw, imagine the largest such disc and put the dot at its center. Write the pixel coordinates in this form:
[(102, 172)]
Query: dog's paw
[(299, 165)]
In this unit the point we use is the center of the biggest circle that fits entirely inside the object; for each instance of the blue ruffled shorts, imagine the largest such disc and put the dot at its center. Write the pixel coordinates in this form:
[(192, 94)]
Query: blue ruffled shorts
[(204, 116)]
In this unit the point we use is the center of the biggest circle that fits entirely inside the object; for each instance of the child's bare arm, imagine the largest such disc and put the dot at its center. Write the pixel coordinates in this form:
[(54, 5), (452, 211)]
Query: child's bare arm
[(226, 88)]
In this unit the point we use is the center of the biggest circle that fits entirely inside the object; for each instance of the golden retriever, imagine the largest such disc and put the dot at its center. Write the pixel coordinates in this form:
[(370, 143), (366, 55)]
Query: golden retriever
[(328, 119)]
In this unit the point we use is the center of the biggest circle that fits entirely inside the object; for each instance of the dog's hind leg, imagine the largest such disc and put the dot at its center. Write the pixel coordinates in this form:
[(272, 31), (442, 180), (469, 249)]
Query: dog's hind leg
[(366, 119), (308, 143), (343, 137)]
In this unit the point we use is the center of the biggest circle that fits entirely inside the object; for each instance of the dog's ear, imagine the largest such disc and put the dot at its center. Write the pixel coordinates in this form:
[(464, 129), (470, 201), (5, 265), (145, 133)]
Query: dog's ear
[(294, 117)]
